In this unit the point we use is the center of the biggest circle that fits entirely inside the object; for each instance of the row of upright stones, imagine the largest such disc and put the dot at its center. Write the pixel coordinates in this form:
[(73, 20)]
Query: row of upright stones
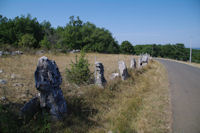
[(123, 72), (48, 80)]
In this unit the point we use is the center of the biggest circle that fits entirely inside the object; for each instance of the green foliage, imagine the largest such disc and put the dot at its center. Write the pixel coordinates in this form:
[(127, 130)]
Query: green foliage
[(12, 30), (45, 43), (27, 40), (126, 48), (10, 122), (79, 72)]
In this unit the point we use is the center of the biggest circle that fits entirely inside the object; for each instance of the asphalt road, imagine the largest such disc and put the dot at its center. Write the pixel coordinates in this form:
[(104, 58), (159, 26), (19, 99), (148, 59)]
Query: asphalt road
[(184, 81)]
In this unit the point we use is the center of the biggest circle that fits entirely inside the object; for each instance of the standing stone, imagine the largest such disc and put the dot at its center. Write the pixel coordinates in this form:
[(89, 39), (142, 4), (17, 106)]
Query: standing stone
[(1, 53), (133, 63), (2, 81), (47, 81), (123, 70), (145, 58), (99, 77), (139, 62)]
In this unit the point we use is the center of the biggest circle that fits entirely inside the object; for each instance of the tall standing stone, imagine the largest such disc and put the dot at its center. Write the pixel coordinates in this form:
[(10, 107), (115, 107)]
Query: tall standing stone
[(123, 70), (48, 81), (139, 62), (99, 74), (133, 63)]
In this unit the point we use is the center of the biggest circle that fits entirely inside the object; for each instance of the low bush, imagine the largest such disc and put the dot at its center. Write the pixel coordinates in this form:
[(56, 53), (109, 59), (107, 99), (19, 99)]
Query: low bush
[(79, 72)]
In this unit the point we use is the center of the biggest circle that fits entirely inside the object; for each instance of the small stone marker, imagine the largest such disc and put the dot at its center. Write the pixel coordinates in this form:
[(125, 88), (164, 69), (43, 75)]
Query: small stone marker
[(123, 70), (99, 74), (133, 63), (2, 81), (114, 75)]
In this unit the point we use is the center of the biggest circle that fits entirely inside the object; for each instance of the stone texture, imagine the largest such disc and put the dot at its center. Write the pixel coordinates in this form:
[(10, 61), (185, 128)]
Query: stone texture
[(139, 62), (30, 108), (133, 63), (47, 81), (114, 75), (17, 52), (99, 77), (1, 53), (1, 71), (50, 98), (145, 58), (123, 70), (2, 81)]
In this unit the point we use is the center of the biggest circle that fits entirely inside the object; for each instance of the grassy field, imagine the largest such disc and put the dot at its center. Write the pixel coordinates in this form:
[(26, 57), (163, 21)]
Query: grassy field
[(138, 105)]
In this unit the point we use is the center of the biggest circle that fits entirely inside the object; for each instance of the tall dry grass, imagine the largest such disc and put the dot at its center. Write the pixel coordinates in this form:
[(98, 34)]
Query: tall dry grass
[(139, 104)]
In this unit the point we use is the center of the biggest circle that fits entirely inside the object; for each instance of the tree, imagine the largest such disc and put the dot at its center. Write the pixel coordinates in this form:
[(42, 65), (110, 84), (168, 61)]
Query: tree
[(126, 48), (28, 41), (45, 43)]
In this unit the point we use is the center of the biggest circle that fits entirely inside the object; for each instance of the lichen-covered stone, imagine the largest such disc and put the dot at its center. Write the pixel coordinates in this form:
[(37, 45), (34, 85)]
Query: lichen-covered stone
[(30, 108), (114, 75), (50, 98), (139, 62), (47, 81), (99, 74), (123, 70), (133, 63)]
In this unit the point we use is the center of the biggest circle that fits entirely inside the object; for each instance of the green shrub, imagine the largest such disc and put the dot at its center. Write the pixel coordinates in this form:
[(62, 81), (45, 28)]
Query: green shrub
[(28, 40), (79, 72), (45, 43)]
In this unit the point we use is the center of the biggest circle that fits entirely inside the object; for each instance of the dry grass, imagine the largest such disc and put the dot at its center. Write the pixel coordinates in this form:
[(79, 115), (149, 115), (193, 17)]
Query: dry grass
[(139, 104)]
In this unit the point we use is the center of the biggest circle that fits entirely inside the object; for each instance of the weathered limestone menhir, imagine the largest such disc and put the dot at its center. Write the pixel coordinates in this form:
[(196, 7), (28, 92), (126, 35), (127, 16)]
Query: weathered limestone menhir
[(133, 63), (140, 61), (47, 81), (145, 59), (99, 74), (123, 70)]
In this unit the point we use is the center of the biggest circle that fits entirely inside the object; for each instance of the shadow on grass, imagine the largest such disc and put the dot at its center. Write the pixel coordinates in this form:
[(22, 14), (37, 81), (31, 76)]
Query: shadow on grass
[(78, 115)]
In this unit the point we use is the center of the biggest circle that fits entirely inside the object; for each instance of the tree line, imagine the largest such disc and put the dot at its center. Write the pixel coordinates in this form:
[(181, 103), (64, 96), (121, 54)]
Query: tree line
[(27, 33)]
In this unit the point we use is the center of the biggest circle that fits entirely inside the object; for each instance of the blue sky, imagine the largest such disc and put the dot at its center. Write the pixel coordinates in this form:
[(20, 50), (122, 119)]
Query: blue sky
[(138, 21)]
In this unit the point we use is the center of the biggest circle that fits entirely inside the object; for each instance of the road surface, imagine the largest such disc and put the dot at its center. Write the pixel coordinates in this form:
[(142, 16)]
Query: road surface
[(184, 81)]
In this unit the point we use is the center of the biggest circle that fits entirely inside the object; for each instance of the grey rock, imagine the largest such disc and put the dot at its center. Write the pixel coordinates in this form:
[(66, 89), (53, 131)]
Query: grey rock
[(40, 52), (18, 85), (123, 70), (16, 52), (144, 64), (139, 62), (133, 63), (1, 53), (6, 53), (75, 51), (30, 108), (3, 98), (50, 96), (1, 71), (145, 58), (13, 76), (114, 75), (47, 81), (2, 81), (99, 77)]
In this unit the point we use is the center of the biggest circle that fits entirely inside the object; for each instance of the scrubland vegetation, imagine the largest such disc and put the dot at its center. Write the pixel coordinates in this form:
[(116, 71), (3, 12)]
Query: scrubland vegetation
[(138, 104), (26, 33)]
